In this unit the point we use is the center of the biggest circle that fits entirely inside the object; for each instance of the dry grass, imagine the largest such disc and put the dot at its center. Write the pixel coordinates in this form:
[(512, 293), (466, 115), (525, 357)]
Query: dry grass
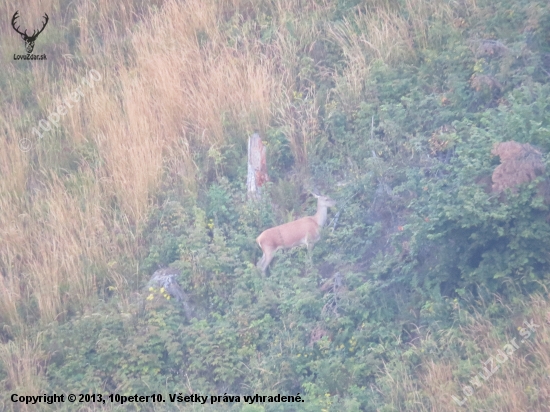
[(519, 163), (387, 32), (518, 385), (24, 363), (174, 96)]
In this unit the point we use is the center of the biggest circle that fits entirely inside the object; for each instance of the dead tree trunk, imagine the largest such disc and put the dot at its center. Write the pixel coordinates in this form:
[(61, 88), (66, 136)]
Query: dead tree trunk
[(257, 166)]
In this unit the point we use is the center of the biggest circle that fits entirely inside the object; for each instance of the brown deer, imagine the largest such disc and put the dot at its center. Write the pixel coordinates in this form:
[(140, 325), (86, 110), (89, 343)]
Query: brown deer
[(304, 231), (29, 40)]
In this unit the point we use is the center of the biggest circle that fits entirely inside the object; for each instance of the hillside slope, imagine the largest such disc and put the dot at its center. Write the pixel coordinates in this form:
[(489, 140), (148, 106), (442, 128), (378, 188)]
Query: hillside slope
[(428, 290)]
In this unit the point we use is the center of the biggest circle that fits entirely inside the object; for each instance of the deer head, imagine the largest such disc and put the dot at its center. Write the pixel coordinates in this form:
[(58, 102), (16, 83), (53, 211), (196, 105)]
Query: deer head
[(29, 40)]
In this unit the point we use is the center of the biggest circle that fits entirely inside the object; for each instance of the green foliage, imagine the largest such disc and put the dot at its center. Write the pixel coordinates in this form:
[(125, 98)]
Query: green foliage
[(281, 158)]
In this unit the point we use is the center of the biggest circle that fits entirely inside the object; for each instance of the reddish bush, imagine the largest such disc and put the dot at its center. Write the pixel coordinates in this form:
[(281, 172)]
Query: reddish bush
[(520, 163)]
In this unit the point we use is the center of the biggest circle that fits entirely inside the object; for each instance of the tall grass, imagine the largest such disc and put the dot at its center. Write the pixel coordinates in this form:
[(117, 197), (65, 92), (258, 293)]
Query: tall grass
[(24, 363), (389, 32)]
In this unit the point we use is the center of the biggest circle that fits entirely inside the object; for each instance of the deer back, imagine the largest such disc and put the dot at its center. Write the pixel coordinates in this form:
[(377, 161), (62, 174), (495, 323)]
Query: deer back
[(291, 234)]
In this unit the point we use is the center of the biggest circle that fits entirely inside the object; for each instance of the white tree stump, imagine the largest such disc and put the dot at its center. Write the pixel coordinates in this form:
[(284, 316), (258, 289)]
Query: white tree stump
[(257, 166)]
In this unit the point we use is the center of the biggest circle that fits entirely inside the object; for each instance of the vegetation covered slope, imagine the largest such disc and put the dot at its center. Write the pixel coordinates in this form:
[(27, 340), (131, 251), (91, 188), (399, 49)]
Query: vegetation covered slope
[(392, 107)]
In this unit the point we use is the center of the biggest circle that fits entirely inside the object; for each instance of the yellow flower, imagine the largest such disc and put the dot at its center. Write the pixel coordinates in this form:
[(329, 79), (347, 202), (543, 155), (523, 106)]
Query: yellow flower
[(161, 290), (150, 297)]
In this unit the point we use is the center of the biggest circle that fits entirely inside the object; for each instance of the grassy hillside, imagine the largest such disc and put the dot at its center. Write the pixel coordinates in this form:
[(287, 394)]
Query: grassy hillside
[(391, 107)]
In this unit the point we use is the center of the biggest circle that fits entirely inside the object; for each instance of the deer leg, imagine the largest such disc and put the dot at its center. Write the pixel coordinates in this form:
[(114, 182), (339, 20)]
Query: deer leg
[(260, 264), (309, 246), (266, 259)]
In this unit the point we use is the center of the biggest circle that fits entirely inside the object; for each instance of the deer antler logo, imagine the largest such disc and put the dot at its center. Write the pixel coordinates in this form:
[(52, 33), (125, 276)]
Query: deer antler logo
[(29, 40)]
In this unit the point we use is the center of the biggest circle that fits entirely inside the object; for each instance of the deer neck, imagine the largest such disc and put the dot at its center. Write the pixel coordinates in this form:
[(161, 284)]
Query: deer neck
[(321, 215)]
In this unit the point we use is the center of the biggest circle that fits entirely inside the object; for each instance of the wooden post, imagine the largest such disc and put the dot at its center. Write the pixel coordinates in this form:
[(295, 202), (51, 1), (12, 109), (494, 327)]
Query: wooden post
[(257, 166)]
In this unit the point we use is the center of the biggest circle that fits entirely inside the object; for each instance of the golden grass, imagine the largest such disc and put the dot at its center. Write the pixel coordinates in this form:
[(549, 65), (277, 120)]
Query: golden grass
[(175, 96), (24, 363)]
